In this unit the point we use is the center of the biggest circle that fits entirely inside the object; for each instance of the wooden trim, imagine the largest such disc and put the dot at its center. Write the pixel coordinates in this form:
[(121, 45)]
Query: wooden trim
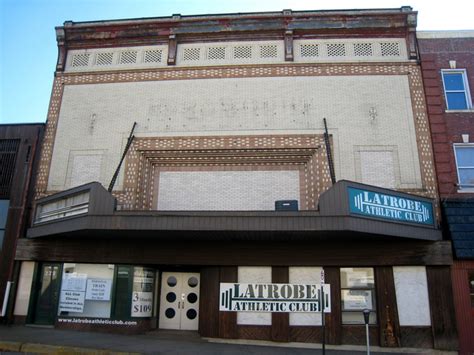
[(156, 251), (334, 319), (280, 321), (389, 329), (443, 317), (209, 302), (228, 320)]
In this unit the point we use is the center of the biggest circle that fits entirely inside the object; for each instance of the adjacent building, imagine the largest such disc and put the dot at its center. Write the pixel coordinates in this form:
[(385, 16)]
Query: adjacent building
[(188, 158), (447, 60), (19, 145)]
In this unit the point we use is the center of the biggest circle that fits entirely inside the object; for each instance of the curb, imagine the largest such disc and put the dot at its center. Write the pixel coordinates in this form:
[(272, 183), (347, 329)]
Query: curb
[(55, 349)]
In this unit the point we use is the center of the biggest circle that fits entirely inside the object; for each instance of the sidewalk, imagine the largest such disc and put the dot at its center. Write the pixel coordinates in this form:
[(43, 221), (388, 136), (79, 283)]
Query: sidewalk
[(54, 341)]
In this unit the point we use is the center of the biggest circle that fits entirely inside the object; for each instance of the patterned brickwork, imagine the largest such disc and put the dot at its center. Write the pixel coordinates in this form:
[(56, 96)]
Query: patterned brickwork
[(149, 156), (48, 140), (130, 197)]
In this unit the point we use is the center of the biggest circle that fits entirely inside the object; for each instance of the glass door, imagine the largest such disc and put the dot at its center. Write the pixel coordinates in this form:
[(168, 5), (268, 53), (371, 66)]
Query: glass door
[(47, 294)]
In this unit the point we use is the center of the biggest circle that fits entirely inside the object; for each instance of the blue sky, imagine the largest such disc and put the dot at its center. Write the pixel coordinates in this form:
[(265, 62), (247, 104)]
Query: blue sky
[(28, 49)]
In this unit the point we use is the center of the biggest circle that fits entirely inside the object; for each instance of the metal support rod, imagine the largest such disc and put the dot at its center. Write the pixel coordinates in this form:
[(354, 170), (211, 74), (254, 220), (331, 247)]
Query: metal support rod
[(127, 147), (366, 313), (322, 319), (368, 340), (329, 153), (6, 297)]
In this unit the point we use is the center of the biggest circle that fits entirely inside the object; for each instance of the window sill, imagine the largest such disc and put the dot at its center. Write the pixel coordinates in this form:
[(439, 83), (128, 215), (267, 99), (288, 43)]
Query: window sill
[(466, 191), (460, 111)]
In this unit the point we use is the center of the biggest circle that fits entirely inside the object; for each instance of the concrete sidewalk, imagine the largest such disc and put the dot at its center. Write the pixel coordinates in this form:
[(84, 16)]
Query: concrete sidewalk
[(54, 341)]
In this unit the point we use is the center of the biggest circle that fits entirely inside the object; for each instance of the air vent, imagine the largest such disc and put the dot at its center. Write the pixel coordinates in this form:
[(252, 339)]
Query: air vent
[(309, 50), (80, 60), (390, 49), (216, 53), (104, 58), (242, 52), (363, 49), (268, 51), (153, 56), (336, 49), (191, 54), (129, 57)]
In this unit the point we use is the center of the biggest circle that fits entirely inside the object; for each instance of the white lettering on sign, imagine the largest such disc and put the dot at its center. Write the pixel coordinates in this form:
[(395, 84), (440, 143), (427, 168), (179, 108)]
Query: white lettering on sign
[(274, 298), (98, 289)]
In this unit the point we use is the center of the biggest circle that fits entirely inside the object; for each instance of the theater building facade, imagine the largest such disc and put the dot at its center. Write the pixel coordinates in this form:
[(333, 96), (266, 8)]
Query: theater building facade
[(232, 203)]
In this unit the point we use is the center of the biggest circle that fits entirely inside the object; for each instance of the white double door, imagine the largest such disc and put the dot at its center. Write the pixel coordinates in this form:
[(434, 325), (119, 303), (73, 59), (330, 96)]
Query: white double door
[(179, 301)]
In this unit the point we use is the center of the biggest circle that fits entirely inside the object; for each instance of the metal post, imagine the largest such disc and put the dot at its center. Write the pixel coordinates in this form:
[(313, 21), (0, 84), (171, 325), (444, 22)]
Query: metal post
[(6, 298), (322, 319), (366, 320), (322, 310)]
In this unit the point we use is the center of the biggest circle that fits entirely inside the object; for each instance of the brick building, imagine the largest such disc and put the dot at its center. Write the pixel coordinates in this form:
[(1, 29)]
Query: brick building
[(19, 145), (215, 121), (447, 60)]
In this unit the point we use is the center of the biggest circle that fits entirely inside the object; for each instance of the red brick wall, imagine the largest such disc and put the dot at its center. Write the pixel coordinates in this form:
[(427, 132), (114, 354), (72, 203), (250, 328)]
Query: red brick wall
[(446, 127)]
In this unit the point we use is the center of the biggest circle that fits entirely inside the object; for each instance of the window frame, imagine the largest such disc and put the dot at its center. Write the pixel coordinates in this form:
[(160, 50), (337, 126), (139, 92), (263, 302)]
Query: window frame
[(467, 93), (368, 287), (461, 187)]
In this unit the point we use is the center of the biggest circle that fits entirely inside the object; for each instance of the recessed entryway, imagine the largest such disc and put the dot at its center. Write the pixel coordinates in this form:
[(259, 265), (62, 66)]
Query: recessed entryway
[(179, 301)]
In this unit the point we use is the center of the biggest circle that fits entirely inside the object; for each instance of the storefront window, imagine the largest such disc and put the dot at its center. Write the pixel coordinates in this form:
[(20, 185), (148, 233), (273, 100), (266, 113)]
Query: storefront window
[(106, 291), (357, 294), (142, 296), (86, 290)]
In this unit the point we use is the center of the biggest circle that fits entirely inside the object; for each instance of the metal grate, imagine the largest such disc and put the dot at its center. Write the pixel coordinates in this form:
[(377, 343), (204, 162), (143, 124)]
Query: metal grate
[(8, 152), (309, 50), (191, 54), (153, 56), (363, 49), (336, 49), (390, 49), (216, 53), (268, 51), (80, 60), (129, 57), (104, 58), (242, 52)]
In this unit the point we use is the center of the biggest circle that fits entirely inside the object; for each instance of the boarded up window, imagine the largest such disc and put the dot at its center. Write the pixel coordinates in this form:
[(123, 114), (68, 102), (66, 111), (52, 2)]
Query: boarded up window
[(377, 168), (251, 274), (85, 169)]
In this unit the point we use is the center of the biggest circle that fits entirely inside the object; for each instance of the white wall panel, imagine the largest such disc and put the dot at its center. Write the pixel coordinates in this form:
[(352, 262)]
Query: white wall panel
[(305, 276), (226, 190), (254, 274), (24, 288), (411, 288)]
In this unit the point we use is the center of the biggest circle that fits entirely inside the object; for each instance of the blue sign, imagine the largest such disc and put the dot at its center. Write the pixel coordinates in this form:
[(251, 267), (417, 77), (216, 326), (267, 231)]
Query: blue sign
[(384, 206)]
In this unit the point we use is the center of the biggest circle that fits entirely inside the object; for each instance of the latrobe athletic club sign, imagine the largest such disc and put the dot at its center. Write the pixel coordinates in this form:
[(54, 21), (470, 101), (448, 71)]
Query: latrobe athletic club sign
[(260, 297), (386, 206)]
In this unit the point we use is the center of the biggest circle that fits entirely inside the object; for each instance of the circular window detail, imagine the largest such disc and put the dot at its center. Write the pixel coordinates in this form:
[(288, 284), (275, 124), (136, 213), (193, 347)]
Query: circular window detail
[(191, 314), (171, 297), (193, 281), (192, 297), (172, 281), (170, 313)]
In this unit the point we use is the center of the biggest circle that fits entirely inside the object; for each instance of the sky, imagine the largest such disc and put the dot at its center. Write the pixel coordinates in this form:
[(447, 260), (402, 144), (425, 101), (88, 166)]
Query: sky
[(28, 50)]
